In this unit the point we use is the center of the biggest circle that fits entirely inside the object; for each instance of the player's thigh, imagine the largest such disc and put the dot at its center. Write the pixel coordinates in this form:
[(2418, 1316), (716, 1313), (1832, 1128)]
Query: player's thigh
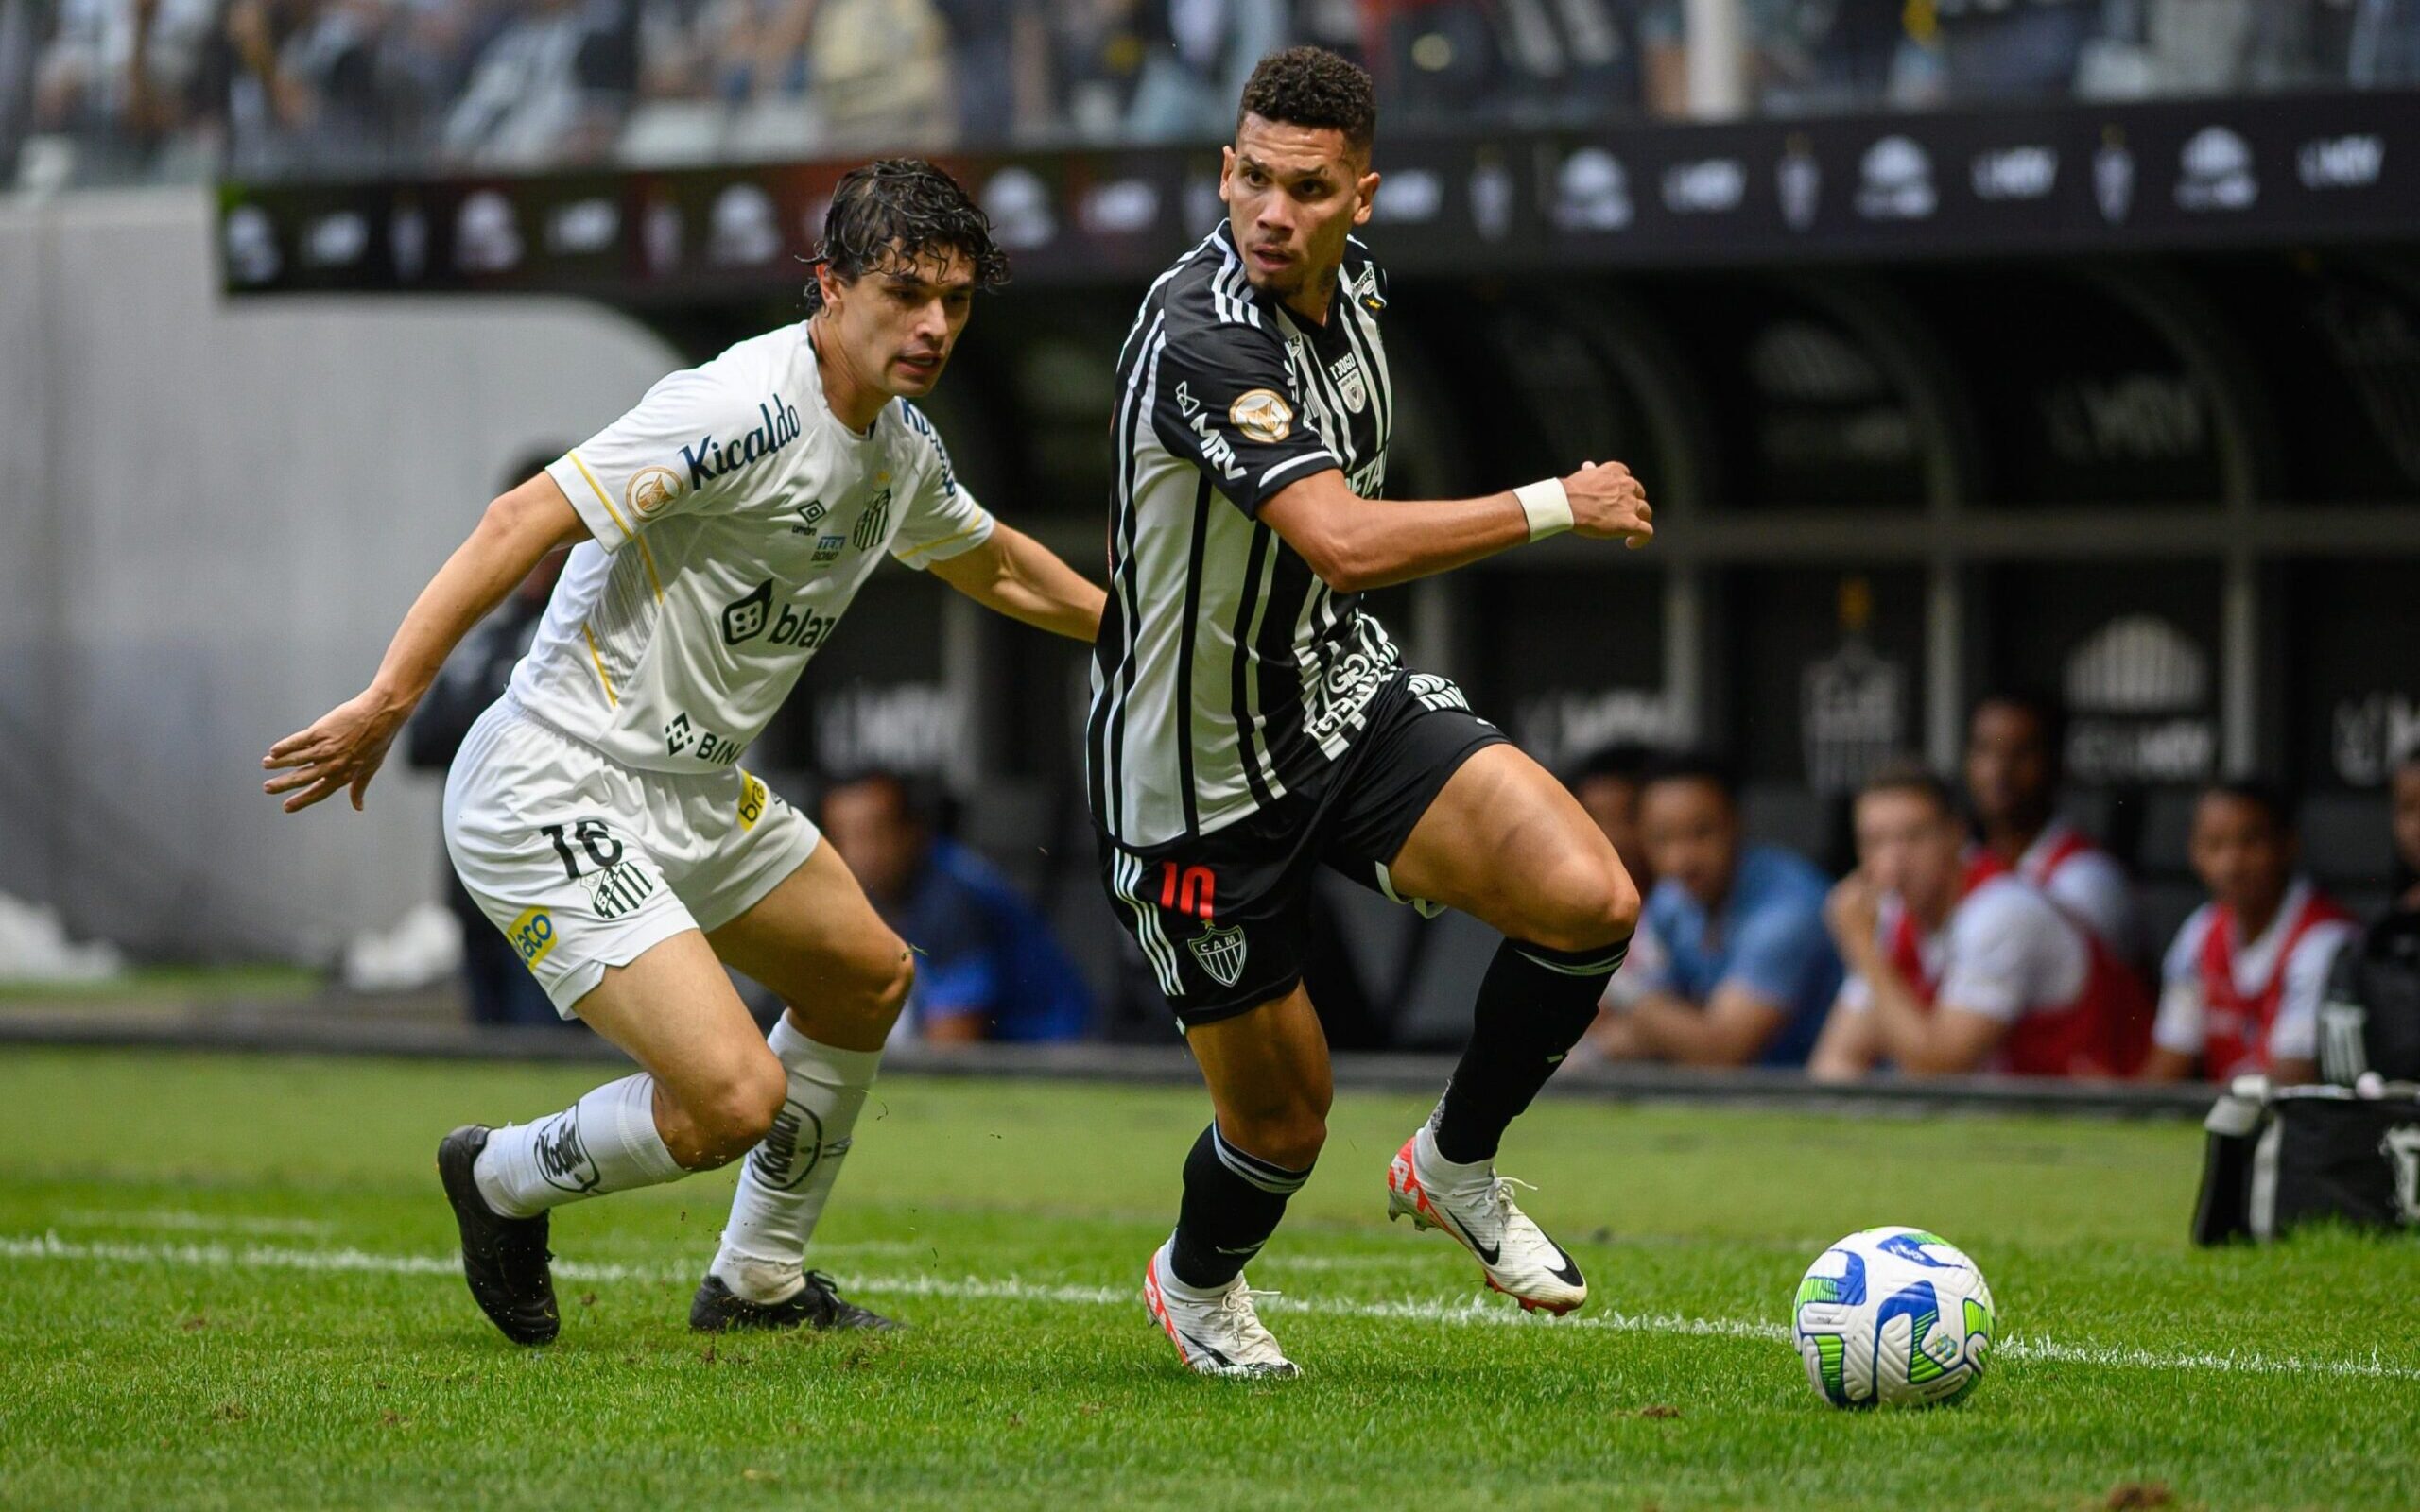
[(816, 938), (1268, 1077), (568, 875), (554, 847), (1508, 844), (674, 1011)]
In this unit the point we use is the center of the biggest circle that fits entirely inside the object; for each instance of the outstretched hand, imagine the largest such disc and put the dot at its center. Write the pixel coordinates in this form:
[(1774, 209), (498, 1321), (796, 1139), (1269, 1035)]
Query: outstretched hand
[(1608, 503), (343, 748)]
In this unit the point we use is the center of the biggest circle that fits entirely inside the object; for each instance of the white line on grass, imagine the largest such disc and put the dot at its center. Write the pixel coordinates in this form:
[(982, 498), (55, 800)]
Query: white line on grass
[(178, 1218), (1472, 1311)]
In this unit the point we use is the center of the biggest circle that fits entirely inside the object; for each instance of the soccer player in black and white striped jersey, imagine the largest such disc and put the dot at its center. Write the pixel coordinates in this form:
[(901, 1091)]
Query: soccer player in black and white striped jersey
[(1250, 723)]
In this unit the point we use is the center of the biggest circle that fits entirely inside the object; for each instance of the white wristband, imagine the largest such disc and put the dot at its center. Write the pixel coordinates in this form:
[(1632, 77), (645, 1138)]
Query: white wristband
[(1547, 506)]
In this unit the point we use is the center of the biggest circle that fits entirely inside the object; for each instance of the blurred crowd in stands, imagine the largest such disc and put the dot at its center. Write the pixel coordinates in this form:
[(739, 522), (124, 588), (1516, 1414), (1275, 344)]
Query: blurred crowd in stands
[(115, 90)]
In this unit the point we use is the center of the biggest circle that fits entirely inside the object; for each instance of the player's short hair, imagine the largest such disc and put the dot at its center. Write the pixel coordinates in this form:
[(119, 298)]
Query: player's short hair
[(904, 209), (1313, 86), (2272, 797), (1697, 766), (2048, 711), (1908, 775)]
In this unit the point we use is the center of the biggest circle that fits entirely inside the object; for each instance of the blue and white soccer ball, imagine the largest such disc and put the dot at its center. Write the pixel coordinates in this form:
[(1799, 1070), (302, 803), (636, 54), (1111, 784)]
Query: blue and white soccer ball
[(1894, 1318)]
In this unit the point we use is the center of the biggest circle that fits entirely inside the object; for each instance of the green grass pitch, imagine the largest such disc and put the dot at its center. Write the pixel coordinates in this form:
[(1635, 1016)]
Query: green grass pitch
[(225, 1281)]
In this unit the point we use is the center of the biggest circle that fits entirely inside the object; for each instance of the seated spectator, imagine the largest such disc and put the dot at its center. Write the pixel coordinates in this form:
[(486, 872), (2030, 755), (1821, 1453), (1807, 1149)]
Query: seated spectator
[(2369, 1020), (1607, 783), (2012, 748), (987, 965), (1956, 964), (1747, 971), (2240, 988)]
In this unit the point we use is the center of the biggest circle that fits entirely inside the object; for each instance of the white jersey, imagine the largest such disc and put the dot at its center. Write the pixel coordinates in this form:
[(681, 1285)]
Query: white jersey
[(2006, 951), (2293, 1035), (733, 518), (2085, 881)]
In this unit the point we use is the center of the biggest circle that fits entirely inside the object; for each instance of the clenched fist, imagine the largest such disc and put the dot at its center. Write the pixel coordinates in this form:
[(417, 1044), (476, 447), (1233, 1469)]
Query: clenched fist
[(1608, 503)]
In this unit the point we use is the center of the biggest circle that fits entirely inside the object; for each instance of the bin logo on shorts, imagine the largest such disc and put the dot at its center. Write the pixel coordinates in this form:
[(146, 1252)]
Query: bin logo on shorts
[(532, 935), (792, 1148), (563, 1158), (1222, 954)]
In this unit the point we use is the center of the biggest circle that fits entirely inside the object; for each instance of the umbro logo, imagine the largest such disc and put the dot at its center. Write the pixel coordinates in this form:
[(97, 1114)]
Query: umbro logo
[(1185, 403)]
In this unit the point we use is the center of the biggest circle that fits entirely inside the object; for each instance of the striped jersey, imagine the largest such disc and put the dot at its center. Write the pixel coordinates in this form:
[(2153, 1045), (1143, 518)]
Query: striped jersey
[(1226, 671)]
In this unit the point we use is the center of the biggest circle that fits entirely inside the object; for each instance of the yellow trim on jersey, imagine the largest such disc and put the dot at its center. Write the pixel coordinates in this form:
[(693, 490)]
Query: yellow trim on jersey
[(984, 523), (645, 556), (590, 637)]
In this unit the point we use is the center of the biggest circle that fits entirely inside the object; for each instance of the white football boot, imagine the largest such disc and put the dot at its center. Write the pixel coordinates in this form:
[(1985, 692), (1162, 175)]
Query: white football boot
[(1478, 1212), (1220, 1335)]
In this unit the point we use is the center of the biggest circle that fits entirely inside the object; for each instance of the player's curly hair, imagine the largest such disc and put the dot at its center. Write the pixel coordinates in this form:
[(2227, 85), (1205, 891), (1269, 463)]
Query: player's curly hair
[(904, 209), (1311, 86)]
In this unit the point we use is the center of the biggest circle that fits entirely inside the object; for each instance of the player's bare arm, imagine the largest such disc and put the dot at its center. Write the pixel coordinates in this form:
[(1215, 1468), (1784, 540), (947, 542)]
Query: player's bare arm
[(344, 746), (1731, 1029), (1356, 543), (1017, 575)]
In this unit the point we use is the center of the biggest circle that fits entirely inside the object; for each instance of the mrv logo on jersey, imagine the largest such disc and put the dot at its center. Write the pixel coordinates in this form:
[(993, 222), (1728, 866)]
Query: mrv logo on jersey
[(744, 619), (709, 459)]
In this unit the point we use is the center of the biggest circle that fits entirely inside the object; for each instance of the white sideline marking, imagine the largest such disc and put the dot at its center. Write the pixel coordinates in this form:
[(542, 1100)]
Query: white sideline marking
[(1473, 1311), (180, 1218)]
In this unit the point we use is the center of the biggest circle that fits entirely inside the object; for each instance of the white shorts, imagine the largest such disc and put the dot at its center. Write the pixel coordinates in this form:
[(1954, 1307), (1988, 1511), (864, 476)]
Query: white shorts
[(584, 862)]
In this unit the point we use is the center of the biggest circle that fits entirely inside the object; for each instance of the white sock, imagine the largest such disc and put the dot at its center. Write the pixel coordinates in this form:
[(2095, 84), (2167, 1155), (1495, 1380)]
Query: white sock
[(607, 1141), (785, 1180), (1453, 1176)]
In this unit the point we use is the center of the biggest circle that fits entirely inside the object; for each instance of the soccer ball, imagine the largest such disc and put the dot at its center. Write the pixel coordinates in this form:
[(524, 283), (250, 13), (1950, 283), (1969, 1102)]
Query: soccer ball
[(1895, 1317)]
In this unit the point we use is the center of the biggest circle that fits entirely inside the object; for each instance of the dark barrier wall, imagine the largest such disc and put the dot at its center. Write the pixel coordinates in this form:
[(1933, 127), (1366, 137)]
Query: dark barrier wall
[(2119, 404)]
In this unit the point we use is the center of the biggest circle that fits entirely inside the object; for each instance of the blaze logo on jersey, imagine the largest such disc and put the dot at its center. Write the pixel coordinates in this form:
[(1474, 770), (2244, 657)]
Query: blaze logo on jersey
[(1262, 415), (777, 426), (650, 490), (743, 619)]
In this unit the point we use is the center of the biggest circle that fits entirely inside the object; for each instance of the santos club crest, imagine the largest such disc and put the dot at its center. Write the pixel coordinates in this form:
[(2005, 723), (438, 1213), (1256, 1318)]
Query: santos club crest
[(1222, 954)]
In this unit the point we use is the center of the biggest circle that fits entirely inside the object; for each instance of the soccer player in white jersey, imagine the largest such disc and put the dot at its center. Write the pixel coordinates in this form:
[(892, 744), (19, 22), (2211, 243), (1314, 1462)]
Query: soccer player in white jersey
[(597, 813), (1251, 722)]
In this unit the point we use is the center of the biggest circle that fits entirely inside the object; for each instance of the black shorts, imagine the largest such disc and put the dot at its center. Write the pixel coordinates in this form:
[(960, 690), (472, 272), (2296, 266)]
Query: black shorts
[(1219, 919)]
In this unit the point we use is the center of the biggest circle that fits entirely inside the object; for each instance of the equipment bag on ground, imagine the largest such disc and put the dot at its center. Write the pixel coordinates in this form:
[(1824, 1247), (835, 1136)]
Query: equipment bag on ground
[(2278, 1157)]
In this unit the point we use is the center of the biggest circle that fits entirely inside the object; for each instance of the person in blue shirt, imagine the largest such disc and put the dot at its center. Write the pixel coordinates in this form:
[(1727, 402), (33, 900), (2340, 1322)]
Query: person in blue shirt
[(987, 964), (1749, 969)]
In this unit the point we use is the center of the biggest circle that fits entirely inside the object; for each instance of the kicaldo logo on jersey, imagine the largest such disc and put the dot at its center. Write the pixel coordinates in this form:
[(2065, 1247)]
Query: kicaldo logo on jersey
[(708, 459), (744, 619)]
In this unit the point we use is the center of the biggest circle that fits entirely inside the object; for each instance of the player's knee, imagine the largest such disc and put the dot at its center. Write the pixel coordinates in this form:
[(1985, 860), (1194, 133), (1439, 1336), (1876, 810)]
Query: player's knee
[(1589, 906), (737, 1114), (1288, 1136)]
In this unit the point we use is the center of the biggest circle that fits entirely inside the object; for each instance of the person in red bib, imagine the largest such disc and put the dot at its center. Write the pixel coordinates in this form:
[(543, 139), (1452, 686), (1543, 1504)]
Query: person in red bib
[(2242, 986), (2013, 748), (1957, 964)]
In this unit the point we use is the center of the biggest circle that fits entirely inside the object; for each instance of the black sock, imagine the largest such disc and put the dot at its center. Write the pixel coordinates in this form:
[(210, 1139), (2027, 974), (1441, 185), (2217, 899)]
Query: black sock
[(1232, 1204), (1533, 1005)]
